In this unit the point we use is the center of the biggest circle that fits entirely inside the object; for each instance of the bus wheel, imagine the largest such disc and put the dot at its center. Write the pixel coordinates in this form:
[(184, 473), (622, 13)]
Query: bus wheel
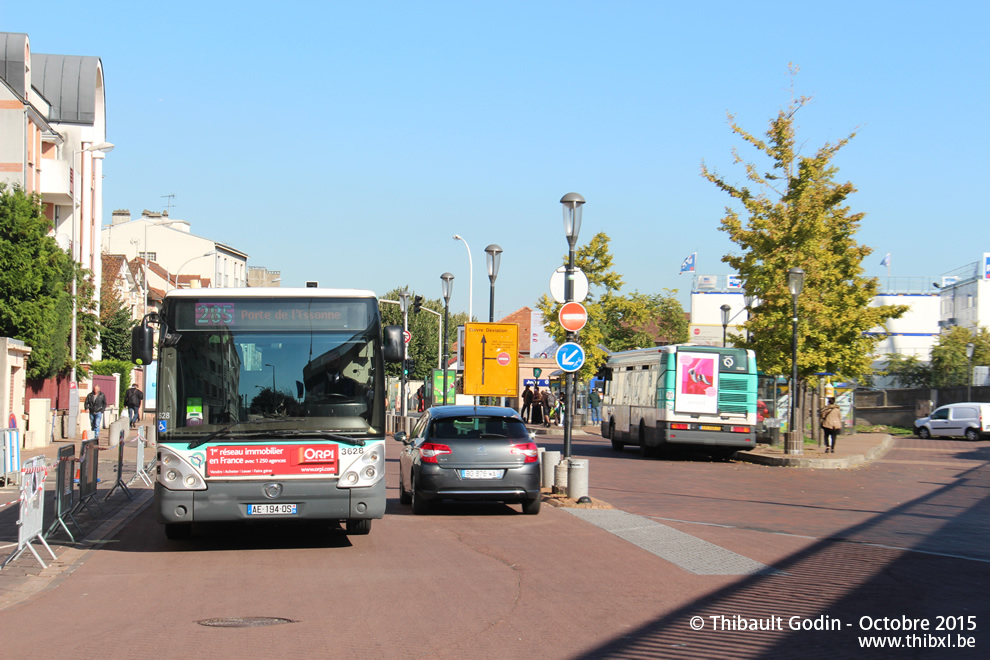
[(358, 527), (644, 450), (178, 531), (616, 445)]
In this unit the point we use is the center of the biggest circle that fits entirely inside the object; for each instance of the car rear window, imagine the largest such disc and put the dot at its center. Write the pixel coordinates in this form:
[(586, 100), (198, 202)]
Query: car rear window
[(476, 426)]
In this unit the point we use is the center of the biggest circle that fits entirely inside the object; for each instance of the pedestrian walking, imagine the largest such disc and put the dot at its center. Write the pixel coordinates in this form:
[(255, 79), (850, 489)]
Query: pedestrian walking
[(595, 402), (96, 403), (132, 399), (831, 419), (527, 409)]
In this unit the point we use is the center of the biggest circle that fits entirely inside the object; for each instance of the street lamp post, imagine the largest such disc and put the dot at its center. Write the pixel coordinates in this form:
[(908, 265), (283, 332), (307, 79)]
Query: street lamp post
[(458, 237), (97, 150), (970, 349), (725, 321), (795, 443), (493, 254), (572, 204), (404, 306), (447, 286), (175, 285), (748, 302)]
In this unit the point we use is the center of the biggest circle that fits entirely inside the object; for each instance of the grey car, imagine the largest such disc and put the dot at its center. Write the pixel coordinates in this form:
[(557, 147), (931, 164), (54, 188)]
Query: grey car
[(473, 453)]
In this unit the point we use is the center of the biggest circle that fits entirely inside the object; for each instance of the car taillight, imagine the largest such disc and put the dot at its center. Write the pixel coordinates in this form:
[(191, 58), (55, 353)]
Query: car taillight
[(682, 427), (527, 449), (740, 429), (429, 451)]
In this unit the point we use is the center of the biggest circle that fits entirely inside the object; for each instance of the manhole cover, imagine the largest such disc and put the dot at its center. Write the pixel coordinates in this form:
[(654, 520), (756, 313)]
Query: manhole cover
[(244, 621)]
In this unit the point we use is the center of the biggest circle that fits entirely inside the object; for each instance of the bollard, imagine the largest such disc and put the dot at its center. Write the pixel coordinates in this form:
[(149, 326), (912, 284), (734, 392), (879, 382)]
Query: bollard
[(550, 460), (577, 478), (560, 478)]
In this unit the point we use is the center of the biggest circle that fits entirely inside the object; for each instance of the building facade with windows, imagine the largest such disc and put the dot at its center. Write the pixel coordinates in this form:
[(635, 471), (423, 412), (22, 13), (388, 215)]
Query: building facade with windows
[(180, 255)]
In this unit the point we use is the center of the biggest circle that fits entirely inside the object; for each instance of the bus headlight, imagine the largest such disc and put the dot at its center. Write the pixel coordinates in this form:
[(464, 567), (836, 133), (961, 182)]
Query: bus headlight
[(367, 470), (178, 473)]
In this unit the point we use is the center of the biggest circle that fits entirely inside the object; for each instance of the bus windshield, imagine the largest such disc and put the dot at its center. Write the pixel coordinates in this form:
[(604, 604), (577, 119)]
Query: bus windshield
[(253, 368)]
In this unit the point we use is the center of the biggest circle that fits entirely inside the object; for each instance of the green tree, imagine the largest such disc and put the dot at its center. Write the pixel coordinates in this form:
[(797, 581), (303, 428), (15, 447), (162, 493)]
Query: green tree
[(615, 322), (907, 370), (796, 216), (115, 320), (425, 330), (35, 286), (950, 367)]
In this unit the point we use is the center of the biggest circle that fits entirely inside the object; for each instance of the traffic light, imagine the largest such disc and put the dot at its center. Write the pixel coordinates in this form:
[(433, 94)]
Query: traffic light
[(417, 304), (408, 367)]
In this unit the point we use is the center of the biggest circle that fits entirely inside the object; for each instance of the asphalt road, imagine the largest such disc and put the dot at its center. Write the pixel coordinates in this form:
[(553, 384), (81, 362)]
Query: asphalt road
[(904, 537)]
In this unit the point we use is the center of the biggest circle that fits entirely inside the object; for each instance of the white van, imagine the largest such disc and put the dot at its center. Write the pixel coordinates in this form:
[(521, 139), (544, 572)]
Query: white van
[(968, 420)]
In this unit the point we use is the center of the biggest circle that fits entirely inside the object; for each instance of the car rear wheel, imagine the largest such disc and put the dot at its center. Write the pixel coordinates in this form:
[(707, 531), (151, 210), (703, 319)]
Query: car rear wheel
[(419, 505), (972, 435), (531, 507), (358, 527), (923, 432)]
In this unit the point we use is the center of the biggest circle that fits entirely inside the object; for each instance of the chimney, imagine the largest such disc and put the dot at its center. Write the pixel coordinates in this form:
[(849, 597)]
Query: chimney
[(120, 216)]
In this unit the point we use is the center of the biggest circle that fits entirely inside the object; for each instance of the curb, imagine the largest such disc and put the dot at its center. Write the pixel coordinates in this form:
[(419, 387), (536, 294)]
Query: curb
[(854, 460)]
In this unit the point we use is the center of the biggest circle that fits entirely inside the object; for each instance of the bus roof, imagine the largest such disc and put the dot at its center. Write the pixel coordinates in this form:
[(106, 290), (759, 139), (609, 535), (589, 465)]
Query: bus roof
[(271, 292), (653, 353)]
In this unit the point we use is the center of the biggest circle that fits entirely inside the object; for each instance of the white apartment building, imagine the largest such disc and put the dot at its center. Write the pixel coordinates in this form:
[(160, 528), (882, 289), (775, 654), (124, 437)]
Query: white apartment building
[(183, 257)]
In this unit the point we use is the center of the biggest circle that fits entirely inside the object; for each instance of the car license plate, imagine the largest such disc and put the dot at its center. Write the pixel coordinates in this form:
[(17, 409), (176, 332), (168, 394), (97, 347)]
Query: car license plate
[(711, 428), (481, 474), (272, 509)]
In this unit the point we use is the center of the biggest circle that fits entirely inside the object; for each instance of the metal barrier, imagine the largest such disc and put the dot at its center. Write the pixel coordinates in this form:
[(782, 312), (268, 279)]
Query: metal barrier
[(31, 520), (89, 465), (117, 432), (11, 459), (63, 492), (139, 465)]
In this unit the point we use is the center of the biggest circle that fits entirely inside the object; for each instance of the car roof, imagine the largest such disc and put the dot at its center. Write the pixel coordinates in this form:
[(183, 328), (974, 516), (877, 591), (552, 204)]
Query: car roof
[(444, 412)]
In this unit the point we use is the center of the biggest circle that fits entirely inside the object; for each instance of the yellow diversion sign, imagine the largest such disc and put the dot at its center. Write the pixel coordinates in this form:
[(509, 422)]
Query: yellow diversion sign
[(491, 359)]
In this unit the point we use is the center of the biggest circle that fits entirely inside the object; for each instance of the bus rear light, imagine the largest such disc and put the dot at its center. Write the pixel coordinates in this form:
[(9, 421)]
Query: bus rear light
[(527, 449), (740, 429), (680, 427), (430, 451)]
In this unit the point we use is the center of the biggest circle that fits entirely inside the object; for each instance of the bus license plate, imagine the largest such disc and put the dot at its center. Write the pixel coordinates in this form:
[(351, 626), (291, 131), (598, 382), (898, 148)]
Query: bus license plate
[(711, 428), (272, 509), (481, 474)]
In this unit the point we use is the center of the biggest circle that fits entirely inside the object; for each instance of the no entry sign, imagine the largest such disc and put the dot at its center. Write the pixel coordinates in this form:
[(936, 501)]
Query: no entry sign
[(573, 316)]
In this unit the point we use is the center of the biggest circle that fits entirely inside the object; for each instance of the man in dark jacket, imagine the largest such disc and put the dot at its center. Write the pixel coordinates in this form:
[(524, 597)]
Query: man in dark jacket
[(96, 403), (133, 399)]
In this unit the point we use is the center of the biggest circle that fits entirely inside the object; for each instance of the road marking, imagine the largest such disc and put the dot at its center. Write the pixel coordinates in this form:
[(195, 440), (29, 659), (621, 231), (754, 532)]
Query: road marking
[(680, 548)]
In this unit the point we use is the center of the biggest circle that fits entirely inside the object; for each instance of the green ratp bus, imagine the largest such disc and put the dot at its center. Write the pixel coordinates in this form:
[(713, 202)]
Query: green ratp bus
[(681, 395)]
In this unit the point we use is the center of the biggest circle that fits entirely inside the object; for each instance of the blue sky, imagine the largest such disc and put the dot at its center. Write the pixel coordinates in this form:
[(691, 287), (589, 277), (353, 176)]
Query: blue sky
[(348, 142)]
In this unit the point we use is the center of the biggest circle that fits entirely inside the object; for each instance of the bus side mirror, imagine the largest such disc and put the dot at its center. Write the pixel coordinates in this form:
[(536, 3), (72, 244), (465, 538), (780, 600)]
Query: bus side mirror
[(142, 344), (393, 343)]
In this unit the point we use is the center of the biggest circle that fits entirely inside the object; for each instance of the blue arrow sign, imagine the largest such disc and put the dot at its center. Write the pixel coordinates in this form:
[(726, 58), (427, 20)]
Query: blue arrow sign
[(570, 356)]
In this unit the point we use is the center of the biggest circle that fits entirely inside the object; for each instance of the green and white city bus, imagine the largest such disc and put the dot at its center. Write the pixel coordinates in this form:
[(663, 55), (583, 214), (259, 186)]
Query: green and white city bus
[(271, 405), (681, 395)]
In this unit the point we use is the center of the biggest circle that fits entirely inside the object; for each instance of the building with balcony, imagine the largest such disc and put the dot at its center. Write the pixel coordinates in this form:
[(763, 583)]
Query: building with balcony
[(53, 140)]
